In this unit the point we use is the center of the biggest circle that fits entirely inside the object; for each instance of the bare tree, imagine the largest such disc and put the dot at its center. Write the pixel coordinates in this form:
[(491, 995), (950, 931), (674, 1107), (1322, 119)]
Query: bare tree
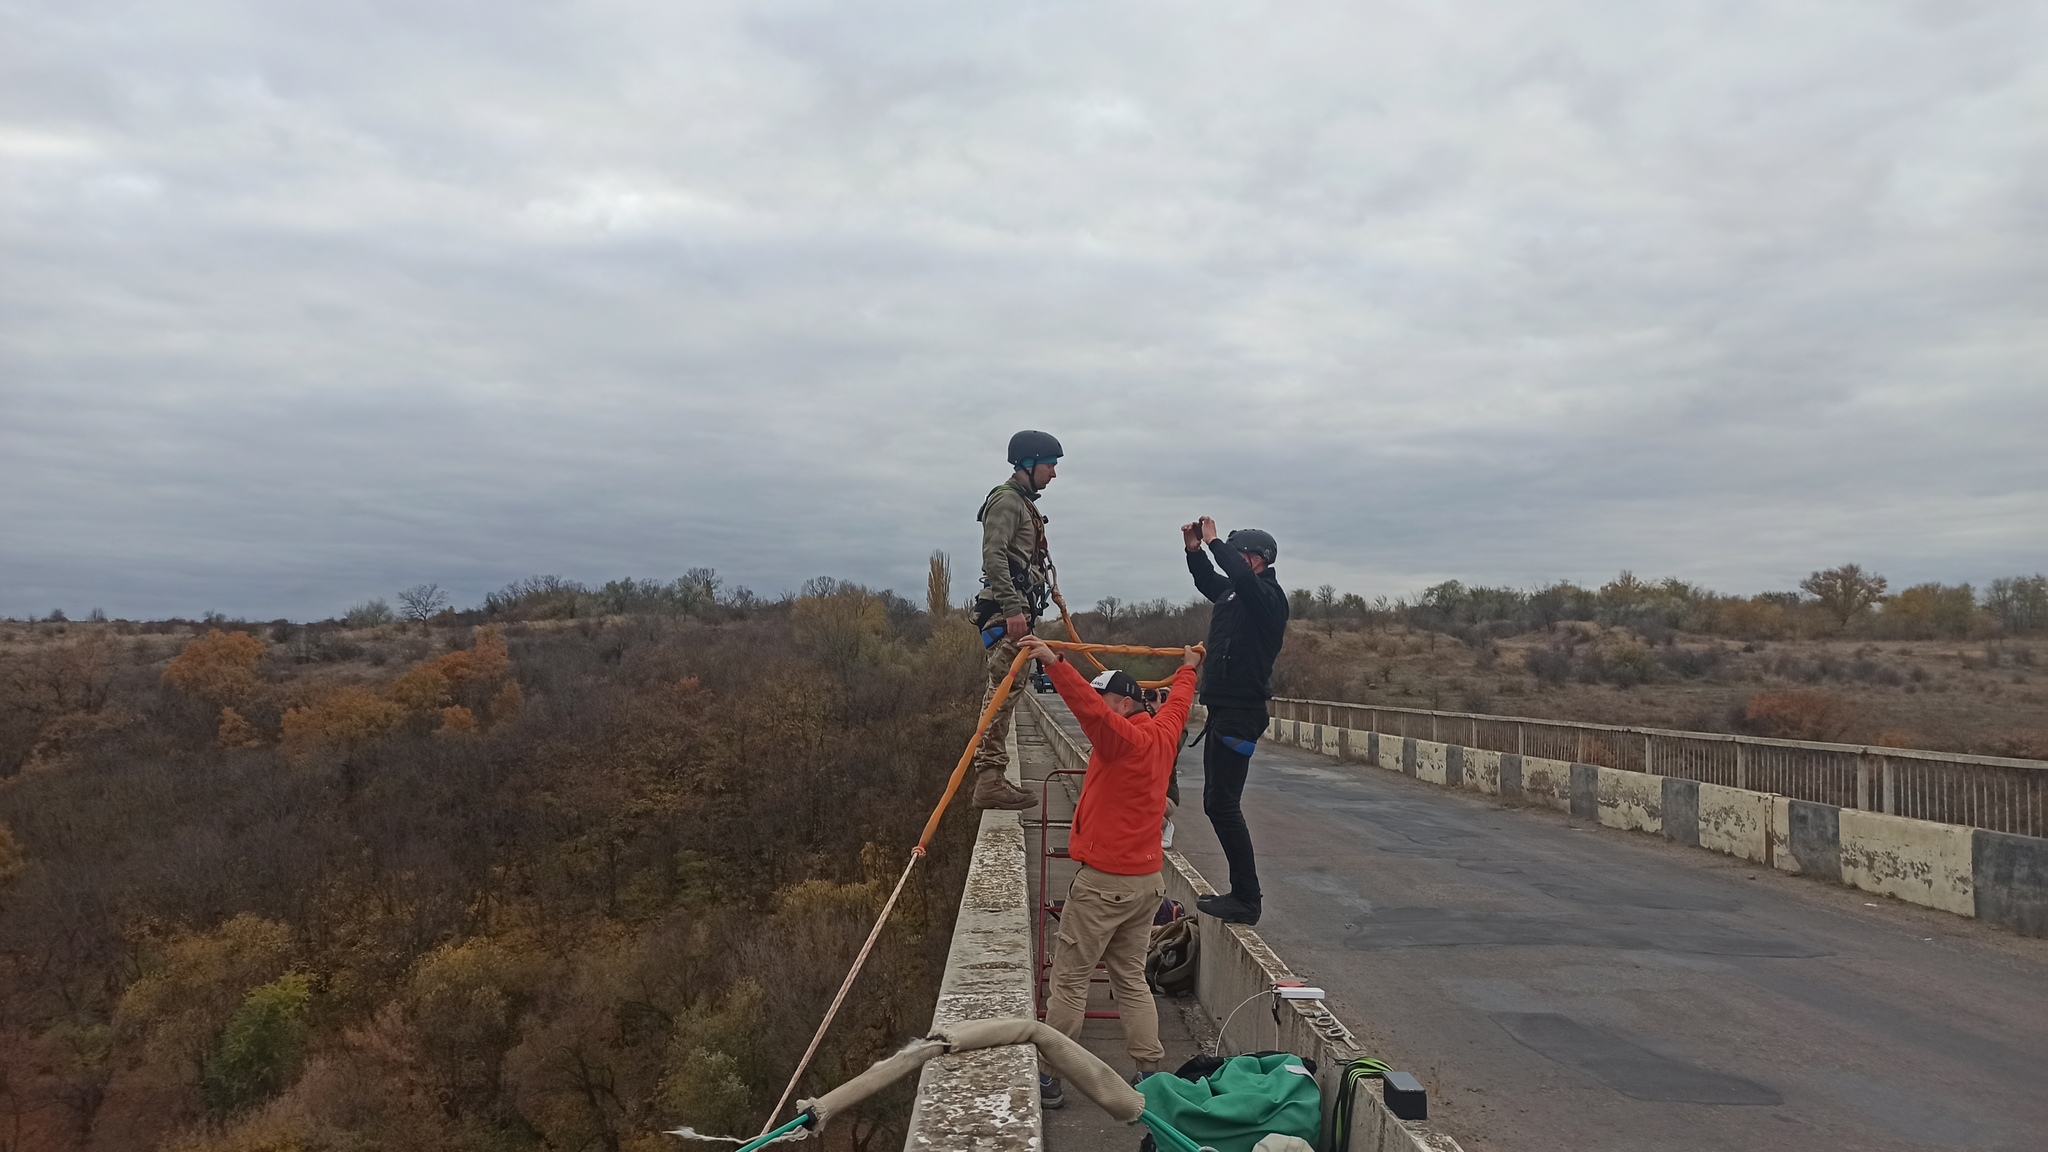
[(1846, 592), (422, 601), (938, 586)]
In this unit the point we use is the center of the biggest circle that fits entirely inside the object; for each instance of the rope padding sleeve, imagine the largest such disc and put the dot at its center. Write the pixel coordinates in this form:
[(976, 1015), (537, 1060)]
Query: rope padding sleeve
[(879, 1075), (1074, 1064)]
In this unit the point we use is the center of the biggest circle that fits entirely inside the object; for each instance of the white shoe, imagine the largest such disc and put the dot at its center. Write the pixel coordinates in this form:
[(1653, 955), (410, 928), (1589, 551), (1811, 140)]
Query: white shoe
[(1166, 835)]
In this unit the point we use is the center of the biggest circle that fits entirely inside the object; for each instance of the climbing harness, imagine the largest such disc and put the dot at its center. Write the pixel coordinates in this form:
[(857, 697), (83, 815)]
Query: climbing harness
[(931, 828)]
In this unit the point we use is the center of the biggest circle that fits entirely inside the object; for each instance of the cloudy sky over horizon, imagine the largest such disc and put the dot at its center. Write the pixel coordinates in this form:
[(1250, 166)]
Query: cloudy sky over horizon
[(303, 303)]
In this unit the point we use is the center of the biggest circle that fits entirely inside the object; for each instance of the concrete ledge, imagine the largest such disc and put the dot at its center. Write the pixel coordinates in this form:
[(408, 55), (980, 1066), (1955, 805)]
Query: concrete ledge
[(987, 1100), (1914, 860), (1547, 782), (2009, 880), (1806, 838), (1431, 763), (1629, 800), (1735, 822)]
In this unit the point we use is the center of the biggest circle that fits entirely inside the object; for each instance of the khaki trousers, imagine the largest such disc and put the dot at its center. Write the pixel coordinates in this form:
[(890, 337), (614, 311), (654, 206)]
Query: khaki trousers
[(992, 752), (1108, 920)]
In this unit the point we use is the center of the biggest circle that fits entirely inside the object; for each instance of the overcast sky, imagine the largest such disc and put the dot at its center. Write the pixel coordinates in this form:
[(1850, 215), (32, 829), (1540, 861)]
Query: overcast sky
[(304, 302)]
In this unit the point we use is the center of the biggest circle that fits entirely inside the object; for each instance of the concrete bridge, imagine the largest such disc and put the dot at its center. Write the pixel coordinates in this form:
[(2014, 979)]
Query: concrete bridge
[(1570, 954)]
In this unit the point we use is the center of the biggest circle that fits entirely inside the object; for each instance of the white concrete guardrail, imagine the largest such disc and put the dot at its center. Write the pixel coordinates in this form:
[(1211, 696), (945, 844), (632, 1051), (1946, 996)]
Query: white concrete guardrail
[(1976, 871), (1992, 792), (1237, 965)]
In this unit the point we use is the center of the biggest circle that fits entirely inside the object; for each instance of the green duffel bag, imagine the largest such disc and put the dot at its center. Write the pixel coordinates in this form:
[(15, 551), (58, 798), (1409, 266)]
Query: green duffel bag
[(1240, 1103)]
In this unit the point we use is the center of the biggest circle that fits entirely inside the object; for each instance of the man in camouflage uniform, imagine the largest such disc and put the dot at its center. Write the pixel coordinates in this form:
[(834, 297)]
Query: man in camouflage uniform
[(1016, 588)]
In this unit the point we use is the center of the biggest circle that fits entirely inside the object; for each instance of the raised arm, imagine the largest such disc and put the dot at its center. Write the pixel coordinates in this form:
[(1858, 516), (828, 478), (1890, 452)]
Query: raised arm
[(1235, 567), (1179, 697), (1209, 582)]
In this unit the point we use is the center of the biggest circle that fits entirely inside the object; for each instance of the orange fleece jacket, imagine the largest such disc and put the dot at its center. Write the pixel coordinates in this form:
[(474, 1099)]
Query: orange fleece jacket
[(1123, 800)]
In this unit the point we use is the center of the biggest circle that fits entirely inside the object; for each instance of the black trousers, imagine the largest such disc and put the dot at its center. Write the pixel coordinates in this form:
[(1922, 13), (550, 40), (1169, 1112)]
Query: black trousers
[(1226, 759)]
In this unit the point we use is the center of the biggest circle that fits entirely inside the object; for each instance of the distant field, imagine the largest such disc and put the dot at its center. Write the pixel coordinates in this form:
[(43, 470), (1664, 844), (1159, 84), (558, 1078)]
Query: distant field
[(1987, 697)]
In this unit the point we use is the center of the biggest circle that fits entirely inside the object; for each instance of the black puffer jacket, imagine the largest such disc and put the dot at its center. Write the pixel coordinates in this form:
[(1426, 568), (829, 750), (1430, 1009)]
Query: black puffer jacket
[(1246, 628)]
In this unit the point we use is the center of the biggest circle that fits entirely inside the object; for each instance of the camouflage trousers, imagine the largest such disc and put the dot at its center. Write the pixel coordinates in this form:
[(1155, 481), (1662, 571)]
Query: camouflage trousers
[(991, 752)]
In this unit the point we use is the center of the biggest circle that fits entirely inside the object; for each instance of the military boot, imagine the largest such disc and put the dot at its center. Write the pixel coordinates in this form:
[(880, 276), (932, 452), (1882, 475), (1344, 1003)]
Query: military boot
[(993, 790)]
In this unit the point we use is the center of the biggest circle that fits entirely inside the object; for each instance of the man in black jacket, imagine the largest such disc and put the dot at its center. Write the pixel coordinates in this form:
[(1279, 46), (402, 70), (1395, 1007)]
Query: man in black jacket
[(1246, 629)]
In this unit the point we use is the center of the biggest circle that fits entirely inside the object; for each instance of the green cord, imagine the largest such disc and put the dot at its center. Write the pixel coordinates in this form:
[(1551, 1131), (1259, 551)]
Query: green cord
[(1363, 1068), (775, 1135)]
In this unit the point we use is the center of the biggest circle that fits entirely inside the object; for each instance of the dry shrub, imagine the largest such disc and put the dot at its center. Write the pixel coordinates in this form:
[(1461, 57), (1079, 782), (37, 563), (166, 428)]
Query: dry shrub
[(342, 719), (422, 689), (2022, 745), (219, 667), (508, 703), (486, 663), (236, 731), (456, 719), (1800, 715)]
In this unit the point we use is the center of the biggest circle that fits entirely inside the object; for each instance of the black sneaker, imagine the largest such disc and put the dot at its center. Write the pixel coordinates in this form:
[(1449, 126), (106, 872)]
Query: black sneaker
[(1231, 909), (1050, 1094)]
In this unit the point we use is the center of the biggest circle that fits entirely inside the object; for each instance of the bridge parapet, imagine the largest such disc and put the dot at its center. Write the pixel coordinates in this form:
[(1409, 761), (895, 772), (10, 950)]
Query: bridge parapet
[(1997, 793), (986, 1100), (1971, 871)]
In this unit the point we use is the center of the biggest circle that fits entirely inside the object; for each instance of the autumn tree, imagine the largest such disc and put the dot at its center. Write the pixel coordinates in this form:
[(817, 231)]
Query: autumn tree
[(235, 731), (219, 667), (342, 720), (1844, 593)]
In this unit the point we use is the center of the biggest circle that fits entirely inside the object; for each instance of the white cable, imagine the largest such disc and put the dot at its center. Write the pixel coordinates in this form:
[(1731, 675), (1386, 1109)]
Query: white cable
[(1218, 1050)]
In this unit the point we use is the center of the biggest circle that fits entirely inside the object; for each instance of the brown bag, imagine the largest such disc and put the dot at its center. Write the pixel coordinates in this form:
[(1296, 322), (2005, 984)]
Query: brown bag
[(1170, 959)]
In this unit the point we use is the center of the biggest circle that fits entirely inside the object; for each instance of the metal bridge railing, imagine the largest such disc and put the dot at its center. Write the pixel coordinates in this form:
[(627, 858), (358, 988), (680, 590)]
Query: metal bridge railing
[(1993, 792)]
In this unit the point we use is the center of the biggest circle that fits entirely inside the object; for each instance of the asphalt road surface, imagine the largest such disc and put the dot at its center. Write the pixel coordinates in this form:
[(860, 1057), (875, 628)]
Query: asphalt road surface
[(1563, 986)]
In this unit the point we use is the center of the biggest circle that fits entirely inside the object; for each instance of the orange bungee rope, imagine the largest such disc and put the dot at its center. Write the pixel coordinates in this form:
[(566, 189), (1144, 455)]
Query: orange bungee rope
[(931, 826)]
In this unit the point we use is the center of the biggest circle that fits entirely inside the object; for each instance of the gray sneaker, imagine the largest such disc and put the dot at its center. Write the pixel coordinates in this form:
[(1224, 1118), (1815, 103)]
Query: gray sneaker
[(1050, 1094)]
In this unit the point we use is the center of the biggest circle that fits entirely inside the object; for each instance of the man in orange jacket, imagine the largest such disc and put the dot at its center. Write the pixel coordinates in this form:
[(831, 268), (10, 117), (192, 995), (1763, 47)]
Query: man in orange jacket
[(1115, 838)]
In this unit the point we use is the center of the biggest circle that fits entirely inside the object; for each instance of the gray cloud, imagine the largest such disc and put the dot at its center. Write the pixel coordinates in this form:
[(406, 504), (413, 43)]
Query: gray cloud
[(303, 303)]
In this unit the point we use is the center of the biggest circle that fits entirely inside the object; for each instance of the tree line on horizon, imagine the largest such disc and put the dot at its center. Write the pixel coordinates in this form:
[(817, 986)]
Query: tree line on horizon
[(1842, 601)]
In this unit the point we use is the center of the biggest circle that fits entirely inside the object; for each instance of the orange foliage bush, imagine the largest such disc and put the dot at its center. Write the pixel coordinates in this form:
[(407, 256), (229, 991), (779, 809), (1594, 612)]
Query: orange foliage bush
[(218, 667), (341, 719), (508, 703), (458, 719), (422, 689), (489, 661), (236, 731), (1800, 715)]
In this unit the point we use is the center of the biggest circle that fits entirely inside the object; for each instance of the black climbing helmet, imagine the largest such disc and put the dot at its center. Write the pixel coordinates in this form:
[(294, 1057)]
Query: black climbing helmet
[(1029, 449), (1253, 540)]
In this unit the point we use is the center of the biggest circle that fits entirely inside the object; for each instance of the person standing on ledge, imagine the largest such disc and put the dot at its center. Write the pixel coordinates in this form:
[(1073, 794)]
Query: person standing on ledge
[(1246, 628), (1016, 587)]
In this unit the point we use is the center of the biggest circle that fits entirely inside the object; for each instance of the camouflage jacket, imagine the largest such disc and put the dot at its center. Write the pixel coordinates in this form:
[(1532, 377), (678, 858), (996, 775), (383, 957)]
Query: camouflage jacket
[(1013, 555)]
